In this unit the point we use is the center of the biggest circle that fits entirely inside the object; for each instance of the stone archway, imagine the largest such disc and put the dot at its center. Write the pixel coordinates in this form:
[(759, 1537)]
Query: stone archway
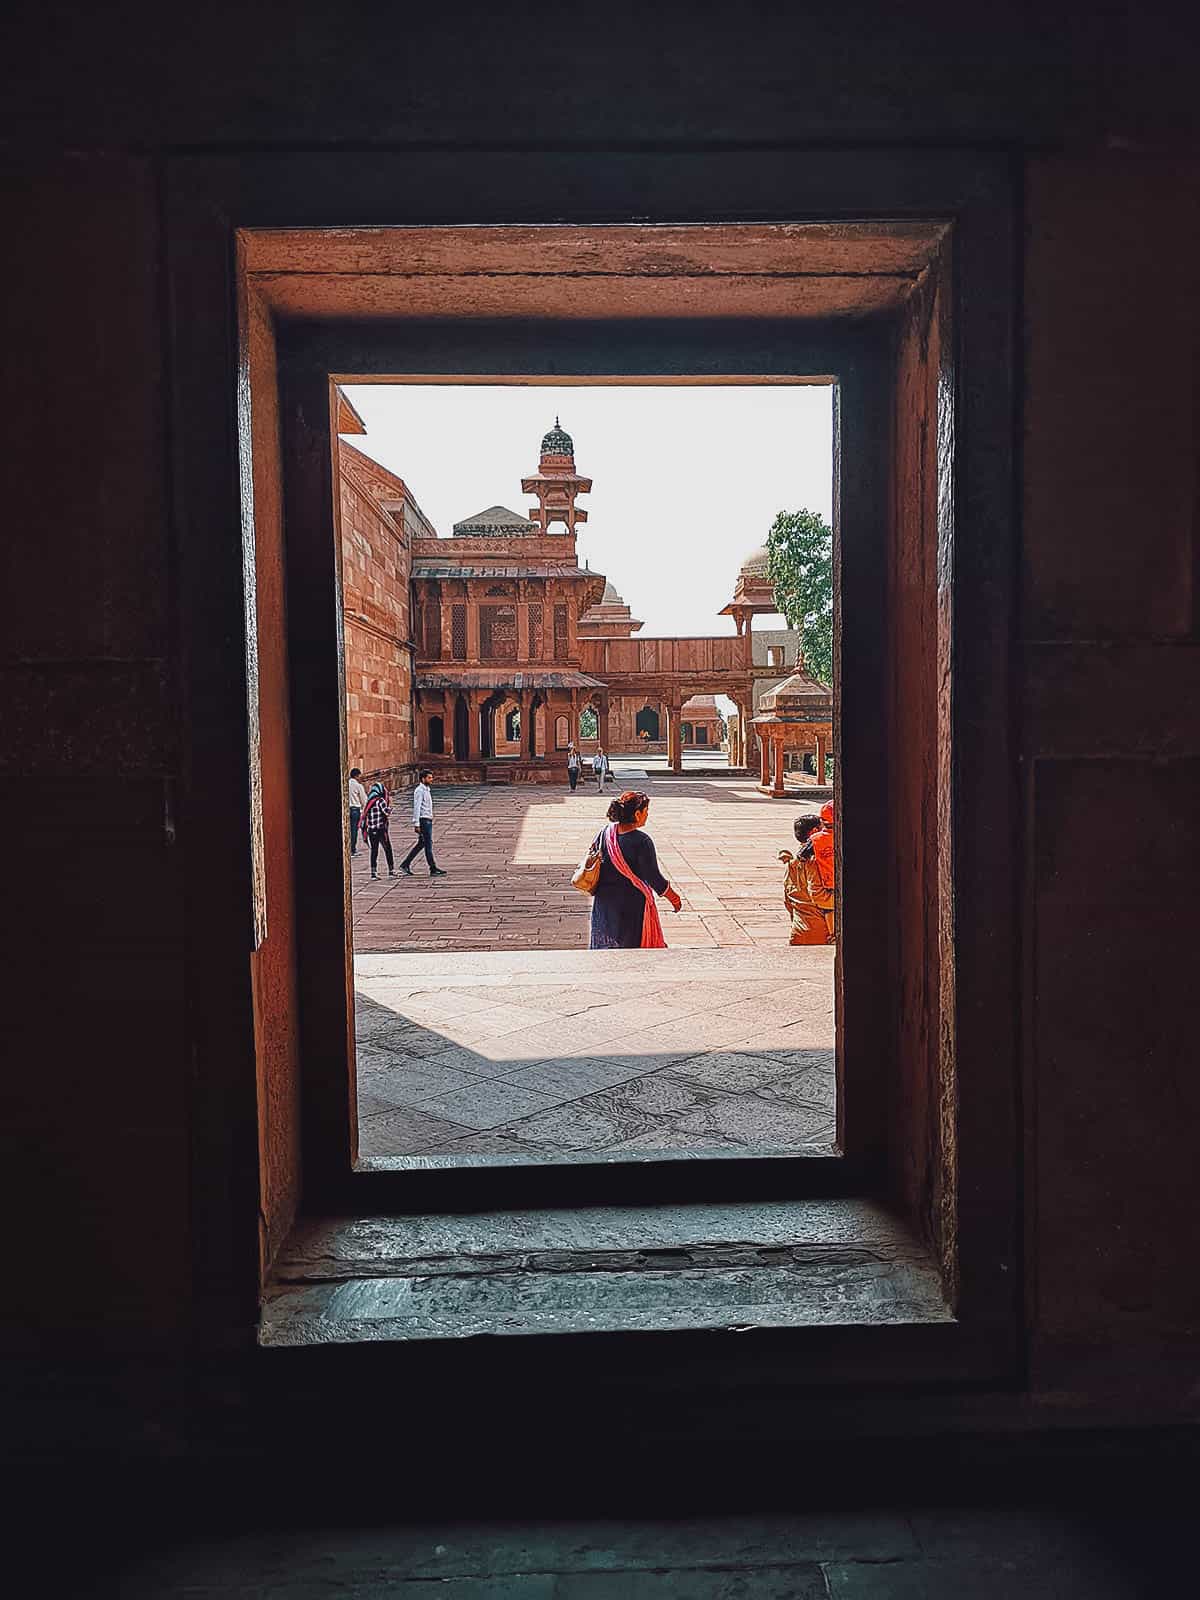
[(437, 736), (648, 722)]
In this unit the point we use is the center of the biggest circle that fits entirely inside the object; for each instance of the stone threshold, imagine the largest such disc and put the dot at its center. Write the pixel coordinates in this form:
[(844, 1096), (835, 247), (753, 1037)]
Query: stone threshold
[(822, 1263)]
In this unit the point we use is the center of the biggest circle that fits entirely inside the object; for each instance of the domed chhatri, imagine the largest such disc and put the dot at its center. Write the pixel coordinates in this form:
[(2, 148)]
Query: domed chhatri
[(753, 591), (556, 483), (757, 564), (558, 442)]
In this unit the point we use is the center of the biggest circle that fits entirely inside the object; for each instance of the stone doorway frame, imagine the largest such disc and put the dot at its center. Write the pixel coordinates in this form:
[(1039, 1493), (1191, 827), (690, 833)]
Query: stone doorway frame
[(927, 1083)]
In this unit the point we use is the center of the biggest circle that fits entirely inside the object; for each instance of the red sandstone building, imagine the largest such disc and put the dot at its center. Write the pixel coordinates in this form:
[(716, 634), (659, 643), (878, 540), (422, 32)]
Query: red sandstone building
[(488, 652)]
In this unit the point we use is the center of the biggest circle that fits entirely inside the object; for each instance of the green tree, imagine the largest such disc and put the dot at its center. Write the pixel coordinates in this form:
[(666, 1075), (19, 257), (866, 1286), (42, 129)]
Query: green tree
[(800, 565)]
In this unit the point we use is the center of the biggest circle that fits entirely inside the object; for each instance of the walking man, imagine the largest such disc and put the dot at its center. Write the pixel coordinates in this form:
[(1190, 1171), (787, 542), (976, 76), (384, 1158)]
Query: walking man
[(599, 767), (358, 800), (423, 823)]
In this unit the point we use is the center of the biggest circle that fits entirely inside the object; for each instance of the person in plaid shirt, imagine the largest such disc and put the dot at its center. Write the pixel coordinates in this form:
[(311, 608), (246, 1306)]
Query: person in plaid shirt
[(375, 828)]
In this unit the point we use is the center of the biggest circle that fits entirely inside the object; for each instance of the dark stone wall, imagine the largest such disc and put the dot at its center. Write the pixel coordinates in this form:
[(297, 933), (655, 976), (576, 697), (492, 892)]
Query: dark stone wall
[(1097, 109)]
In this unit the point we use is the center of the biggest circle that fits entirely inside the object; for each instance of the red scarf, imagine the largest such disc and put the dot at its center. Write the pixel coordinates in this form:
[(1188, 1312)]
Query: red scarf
[(652, 934)]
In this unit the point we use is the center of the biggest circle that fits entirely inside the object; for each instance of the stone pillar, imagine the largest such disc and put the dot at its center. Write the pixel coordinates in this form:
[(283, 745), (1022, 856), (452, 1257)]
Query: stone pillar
[(820, 758), (675, 737), (529, 734), (602, 722), (764, 770), (777, 788), (743, 712), (472, 751), (573, 720), (472, 630)]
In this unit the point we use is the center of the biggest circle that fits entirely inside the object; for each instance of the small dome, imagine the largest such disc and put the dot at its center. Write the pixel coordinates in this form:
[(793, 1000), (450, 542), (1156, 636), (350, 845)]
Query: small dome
[(558, 442), (610, 596), (757, 563)]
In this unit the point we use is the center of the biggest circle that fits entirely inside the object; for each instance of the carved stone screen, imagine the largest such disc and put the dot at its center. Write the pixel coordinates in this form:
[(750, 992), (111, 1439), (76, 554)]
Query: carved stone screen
[(535, 633), (433, 628), (498, 633), (458, 633), (560, 633)]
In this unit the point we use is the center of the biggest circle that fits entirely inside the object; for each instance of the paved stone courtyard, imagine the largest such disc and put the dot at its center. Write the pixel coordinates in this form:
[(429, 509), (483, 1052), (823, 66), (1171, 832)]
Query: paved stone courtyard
[(612, 1054), (510, 852)]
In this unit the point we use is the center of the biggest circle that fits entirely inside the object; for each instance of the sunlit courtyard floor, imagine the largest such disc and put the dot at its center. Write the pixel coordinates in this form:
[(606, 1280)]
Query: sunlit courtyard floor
[(510, 851), (506, 1056)]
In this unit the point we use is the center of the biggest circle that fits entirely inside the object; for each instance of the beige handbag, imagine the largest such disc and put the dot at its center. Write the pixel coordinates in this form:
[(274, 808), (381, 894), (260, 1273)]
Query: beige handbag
[(587, 874)]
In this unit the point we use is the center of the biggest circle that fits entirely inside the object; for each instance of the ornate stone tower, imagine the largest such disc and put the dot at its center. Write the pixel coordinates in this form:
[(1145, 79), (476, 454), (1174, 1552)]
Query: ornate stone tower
[(557, 483)]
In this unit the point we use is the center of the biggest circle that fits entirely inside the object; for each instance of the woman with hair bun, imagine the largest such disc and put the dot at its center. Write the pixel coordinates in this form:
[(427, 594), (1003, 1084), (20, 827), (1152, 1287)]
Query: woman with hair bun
[(624, 915)]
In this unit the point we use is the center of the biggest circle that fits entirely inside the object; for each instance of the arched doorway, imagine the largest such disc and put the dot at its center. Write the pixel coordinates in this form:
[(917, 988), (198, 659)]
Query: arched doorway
[(589, 723), (512, 726), (562, 733), (437, 736), (647, 722)]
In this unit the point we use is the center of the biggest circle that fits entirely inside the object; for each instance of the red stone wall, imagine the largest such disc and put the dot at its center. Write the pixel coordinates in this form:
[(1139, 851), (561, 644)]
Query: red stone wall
[(376, 560), (103, 1139)]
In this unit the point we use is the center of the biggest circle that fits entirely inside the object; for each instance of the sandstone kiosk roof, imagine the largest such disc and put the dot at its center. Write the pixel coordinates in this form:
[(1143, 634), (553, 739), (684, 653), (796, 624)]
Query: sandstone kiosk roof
[(496, 521), (753, 591), (610, 608), (502, 678), (797, 699)]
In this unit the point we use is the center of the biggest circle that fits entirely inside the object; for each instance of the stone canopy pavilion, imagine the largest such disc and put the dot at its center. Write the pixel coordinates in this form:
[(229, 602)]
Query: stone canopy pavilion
[(796, 715)]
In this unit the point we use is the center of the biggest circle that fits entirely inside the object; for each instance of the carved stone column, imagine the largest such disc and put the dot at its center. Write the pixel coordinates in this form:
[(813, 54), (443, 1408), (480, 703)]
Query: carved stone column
[(473, 699), (764, 772), (675, 737), (777, 788)]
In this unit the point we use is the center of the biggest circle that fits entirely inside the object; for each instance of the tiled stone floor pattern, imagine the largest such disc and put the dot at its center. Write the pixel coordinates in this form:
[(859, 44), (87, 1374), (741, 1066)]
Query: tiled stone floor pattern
[(525, 1056), (510, 852)]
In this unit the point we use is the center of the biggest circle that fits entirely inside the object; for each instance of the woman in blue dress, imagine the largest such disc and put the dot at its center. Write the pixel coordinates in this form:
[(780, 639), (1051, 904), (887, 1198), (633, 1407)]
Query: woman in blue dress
[(624, 915)]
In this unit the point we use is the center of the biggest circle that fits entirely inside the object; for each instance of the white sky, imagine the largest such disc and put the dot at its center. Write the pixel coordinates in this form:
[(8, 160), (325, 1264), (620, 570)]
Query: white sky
[(687, 481)]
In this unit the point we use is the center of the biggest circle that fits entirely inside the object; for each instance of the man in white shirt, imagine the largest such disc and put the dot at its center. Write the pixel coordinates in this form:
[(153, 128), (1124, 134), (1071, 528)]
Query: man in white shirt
[(423, 823), (599, 768), (358, 799)]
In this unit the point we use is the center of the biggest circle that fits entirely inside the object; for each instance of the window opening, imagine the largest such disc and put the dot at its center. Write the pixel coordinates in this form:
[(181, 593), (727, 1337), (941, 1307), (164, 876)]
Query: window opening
[(653, 660)]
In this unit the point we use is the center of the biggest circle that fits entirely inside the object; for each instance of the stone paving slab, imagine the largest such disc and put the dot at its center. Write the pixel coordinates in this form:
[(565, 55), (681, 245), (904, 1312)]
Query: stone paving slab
[(551, 1055), (510, 852)]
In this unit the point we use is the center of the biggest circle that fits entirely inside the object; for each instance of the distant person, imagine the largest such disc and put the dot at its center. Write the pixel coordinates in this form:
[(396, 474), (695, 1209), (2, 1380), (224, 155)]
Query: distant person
[(599, 768), (375, 828), (423, 823), (624, 915), (808, 902), (357, 796), (574, 764)]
